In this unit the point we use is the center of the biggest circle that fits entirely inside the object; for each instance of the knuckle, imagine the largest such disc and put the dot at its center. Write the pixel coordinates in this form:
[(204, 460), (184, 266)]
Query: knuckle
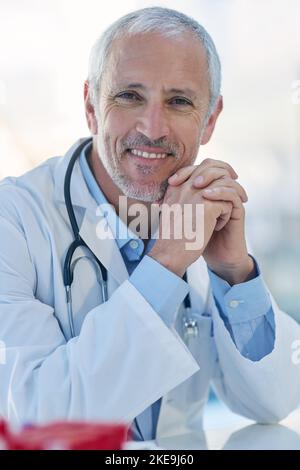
[(227, 179), (231, 190), (208, 161), (216, 172)]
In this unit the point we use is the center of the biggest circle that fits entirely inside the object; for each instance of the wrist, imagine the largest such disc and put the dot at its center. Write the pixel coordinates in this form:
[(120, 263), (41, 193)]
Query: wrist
[(236, 273), (167, 260)]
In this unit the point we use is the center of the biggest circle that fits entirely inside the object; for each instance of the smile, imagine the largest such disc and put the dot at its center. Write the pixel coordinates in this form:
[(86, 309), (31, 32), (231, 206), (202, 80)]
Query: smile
[(148, 155)]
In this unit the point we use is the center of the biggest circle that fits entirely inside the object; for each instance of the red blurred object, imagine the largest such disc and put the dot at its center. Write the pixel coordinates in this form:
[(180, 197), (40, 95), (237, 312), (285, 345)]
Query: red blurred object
[(65, 436)]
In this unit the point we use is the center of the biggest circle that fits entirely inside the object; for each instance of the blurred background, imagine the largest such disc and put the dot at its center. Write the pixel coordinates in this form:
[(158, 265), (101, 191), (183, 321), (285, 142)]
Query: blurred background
[(44, 49)]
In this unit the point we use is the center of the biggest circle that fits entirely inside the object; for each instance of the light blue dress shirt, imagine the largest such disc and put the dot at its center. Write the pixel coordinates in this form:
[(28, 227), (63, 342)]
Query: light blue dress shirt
[(245, 308)]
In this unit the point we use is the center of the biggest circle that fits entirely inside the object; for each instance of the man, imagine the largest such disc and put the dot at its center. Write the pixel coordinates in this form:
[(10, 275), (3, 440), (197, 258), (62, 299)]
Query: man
[(152, 98)]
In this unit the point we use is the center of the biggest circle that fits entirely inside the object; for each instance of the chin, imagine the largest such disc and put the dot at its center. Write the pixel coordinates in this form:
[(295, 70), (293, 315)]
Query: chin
[(151, 192)]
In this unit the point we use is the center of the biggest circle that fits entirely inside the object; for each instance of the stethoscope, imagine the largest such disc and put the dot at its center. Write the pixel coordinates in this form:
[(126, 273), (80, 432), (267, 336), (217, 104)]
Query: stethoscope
[(189, 322)]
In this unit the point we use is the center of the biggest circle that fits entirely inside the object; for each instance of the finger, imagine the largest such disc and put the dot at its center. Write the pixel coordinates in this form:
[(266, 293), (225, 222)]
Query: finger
[(210, 162), (221, 222), (223, 194), (184, 173), (226, 195), (209, 175), (225, 216), (229, 183)]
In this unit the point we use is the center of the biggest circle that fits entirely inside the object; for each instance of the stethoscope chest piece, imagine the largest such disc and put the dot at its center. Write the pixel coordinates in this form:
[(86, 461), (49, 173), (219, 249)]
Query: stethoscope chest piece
[(190, 325)]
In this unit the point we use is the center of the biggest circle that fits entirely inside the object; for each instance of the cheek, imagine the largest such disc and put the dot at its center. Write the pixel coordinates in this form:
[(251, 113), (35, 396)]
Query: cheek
[(188, 133), (117, 122), (192, 126)]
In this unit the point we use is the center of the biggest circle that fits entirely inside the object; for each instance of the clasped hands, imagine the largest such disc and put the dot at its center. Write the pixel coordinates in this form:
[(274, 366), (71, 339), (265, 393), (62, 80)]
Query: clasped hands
[(214, 184)]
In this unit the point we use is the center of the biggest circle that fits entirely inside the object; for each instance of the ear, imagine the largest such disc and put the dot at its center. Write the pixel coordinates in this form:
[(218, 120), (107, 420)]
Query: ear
[(212, 121), (89, 110)]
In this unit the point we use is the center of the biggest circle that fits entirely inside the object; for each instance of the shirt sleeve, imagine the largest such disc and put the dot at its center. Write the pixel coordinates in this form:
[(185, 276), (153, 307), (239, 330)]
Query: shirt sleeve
[(247, 313), (162, 289)]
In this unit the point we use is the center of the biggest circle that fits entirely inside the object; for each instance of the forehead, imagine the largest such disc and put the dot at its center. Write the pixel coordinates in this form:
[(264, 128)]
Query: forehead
[(154, 60)]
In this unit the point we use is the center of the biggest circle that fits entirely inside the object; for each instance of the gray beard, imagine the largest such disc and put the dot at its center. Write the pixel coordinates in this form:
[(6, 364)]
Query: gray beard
[(151, 192)]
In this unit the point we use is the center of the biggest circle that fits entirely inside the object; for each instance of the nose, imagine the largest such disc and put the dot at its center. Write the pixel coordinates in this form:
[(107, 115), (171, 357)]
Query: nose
[(153, 122)]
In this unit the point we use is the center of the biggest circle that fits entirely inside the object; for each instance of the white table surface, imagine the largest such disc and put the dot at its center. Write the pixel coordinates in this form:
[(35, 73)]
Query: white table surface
[(229, 431)]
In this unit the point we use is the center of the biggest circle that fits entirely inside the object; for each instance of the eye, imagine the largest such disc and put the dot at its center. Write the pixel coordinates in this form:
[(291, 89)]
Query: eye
[(128, 96), (179, 101)]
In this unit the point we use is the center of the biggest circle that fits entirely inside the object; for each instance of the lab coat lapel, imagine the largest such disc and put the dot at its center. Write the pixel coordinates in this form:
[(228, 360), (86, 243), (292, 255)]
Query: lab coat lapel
[(179, 415)]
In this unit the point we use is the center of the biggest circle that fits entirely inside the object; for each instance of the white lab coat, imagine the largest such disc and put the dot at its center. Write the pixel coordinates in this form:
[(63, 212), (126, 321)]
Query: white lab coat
[(124, 357)]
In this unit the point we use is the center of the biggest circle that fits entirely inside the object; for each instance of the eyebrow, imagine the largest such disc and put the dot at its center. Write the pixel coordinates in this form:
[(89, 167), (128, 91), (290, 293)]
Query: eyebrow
[(180, 91), (183, 91)]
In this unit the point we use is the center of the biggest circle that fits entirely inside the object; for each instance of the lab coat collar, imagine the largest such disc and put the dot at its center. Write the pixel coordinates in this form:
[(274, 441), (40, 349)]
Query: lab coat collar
[(94, 229), (79, 191)]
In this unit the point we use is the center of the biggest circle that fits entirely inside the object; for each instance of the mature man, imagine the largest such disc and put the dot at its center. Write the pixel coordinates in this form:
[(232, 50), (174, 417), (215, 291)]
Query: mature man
[(147, 353)]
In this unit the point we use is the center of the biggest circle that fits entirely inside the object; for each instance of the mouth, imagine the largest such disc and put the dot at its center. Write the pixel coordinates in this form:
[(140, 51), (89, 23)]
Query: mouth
[(149, 157)]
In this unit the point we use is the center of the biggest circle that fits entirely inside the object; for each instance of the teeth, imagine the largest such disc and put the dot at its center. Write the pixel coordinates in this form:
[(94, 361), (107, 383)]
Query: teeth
[(139, 153)]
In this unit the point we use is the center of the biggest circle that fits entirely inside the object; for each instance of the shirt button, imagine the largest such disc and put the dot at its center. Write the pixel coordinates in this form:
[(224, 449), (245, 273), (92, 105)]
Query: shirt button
[(133, 244), (234, 303)]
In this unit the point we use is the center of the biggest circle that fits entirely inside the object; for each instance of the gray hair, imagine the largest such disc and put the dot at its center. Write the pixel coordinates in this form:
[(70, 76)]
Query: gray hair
[(169, 23)]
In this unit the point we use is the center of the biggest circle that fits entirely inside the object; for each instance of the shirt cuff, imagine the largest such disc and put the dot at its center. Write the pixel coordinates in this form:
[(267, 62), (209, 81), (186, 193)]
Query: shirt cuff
[(162, 289), (242, 302)]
